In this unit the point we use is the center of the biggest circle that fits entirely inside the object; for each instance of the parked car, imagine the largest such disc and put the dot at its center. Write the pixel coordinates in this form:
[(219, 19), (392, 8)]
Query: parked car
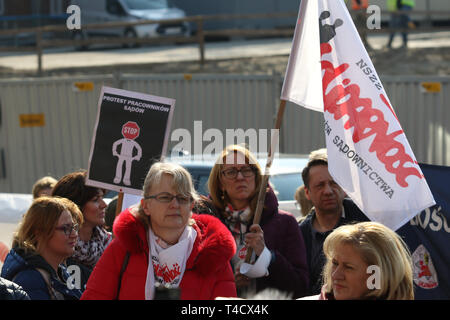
[(13, 206), (285, 176), (100, 11)]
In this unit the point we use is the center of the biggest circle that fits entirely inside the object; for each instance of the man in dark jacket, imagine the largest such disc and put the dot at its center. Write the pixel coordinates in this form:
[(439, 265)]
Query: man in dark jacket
[(331, 210), (11, 291)]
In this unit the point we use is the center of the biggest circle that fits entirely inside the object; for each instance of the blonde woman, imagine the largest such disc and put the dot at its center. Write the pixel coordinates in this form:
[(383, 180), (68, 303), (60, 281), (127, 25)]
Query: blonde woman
[(162, 243), (304, 203), (366, 261), (43, 187), (45, 238), (234, 184)]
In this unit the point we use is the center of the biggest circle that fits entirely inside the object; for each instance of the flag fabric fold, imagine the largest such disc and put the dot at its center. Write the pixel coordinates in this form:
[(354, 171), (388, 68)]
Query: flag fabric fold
[(368, 153), (305, 59)]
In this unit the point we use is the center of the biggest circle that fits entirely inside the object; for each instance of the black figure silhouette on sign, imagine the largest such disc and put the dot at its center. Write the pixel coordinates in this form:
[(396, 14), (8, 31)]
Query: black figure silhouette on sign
[(328, 31)]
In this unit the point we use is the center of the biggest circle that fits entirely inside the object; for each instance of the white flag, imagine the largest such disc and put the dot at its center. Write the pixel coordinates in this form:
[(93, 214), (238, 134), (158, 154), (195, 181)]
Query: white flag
[(368, 153)]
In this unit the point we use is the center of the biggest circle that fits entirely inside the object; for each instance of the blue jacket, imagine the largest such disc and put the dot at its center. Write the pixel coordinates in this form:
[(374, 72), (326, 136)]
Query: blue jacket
[(20, 267)]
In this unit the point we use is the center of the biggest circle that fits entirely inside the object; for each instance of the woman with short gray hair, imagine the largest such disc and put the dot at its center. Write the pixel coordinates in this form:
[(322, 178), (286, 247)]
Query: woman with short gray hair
[(161, 244)]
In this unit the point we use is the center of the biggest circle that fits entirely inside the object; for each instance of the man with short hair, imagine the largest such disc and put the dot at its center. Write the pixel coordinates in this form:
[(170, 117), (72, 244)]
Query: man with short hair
[(331, 210)]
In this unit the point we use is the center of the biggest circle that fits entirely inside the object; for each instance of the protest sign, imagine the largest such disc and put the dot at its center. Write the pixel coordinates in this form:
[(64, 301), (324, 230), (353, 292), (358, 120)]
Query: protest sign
[(131, 133)]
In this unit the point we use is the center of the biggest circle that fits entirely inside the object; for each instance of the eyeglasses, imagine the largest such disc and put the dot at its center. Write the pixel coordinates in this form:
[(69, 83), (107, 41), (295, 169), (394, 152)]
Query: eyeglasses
[(166, 197), (68, 229), (232, 173)]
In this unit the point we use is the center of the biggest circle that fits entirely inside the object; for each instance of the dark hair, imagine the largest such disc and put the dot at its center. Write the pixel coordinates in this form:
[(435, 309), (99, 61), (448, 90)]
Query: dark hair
[(312, 163), (73, 187)]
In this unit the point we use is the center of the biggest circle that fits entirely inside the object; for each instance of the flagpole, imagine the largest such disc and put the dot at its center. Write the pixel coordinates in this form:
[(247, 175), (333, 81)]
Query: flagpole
[(265, 178)]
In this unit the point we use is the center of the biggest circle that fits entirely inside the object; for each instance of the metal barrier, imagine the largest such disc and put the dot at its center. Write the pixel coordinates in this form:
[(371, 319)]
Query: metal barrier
[(65, 35), (46, 124)]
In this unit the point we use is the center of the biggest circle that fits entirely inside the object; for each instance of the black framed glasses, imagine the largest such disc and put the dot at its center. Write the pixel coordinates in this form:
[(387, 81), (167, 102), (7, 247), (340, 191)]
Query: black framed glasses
[(166, 197), (232, 173), (68, 228)]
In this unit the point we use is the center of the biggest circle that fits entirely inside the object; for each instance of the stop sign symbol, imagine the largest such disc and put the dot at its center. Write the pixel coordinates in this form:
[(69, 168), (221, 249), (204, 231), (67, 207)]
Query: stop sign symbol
[(130, 130)]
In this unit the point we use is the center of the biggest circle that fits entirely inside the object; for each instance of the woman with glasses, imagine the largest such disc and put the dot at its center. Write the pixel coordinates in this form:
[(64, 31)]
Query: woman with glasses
[(46, 237), (92, 237), (234, 184), (161, 244)]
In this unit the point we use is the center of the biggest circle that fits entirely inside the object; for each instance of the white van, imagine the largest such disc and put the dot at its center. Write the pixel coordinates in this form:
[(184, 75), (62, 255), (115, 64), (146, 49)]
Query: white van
[(100, 11)]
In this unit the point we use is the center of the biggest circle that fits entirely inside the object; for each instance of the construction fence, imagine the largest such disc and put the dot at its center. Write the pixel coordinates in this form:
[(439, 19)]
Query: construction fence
[(47, 124)]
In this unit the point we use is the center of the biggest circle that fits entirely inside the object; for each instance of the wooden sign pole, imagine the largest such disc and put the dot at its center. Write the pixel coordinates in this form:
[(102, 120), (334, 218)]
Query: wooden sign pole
[(119, 203), (265, 180)]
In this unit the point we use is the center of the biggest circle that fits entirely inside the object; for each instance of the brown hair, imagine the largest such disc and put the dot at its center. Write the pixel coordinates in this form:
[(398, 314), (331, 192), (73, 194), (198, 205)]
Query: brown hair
[(220, 198), (317, 157), (43, 183), (38, 223), (73, 187), (312, 163)]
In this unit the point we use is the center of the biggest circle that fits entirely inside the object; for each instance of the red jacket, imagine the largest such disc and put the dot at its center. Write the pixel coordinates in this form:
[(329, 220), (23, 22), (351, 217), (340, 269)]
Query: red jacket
[(208, 270), (361, 4)]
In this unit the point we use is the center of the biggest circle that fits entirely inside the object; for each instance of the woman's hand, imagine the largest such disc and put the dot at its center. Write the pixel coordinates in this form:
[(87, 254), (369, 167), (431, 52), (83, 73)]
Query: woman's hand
[(255, 239), (241, 280)]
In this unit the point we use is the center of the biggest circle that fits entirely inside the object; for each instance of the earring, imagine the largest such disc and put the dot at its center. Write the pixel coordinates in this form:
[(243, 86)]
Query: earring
[(222, 196)]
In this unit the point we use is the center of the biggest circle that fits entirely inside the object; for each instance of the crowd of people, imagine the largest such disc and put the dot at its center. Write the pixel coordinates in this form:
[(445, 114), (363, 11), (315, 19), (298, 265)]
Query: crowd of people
[(176, 244)]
